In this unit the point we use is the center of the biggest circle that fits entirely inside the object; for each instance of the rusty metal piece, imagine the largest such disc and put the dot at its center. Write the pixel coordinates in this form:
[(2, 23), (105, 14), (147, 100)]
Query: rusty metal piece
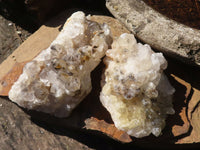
[(153, 28)]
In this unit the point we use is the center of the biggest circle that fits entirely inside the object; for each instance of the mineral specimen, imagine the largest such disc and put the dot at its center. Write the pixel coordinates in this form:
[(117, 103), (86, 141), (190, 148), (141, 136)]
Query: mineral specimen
[(58, 79), (135, 90)]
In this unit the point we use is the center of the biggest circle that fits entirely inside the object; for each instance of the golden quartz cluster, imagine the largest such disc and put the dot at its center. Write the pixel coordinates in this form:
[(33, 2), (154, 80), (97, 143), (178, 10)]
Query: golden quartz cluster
[(135, 90)]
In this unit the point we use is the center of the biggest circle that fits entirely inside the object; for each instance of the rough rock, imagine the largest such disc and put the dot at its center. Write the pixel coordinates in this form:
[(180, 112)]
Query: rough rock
[(58, 79), (161, 33), (136, 92), (19, 132)]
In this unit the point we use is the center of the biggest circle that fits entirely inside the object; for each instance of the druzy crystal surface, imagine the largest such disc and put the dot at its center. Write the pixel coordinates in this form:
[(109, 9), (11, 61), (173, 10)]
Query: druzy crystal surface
[(59, 77), (135, 90)]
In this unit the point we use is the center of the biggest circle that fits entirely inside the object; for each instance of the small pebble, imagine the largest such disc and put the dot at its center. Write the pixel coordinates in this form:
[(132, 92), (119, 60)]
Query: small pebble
[(10, 24), (19, 32), (41, 132)]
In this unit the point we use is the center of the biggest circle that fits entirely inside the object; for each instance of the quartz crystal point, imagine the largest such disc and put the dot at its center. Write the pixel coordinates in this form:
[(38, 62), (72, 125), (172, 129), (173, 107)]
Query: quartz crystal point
[(135, 90), (58, 78)]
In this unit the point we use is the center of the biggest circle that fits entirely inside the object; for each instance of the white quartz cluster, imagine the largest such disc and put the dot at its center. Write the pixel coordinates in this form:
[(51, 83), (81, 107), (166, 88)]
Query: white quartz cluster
[(135, 90), (59, 77)]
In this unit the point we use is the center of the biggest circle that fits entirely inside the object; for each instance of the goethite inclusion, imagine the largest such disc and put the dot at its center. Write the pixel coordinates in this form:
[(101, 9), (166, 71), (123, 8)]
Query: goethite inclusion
[(59, 77), (135, 90)]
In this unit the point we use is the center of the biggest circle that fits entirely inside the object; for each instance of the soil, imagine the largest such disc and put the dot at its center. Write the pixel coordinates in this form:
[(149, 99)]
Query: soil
[(184, 11)]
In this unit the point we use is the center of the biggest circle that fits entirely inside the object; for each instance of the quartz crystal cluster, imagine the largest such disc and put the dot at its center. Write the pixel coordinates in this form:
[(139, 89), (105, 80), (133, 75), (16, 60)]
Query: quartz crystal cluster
[(134, 88), (59, 77)]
